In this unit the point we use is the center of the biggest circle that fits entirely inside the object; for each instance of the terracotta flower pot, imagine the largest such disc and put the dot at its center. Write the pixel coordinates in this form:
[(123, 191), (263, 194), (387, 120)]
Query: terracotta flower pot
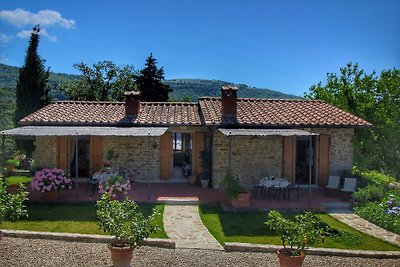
[(242, 200), (289, 261), (51, 196), (121, 254)]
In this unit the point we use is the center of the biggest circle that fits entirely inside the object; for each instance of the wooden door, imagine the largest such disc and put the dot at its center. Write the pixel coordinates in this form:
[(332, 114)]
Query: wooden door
[(198, 147), (324, 151), (96, 154), (166, 156), (289, 158)]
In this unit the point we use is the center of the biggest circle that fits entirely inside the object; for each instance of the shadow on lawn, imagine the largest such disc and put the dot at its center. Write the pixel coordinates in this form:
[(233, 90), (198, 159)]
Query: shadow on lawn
[(70, 211)]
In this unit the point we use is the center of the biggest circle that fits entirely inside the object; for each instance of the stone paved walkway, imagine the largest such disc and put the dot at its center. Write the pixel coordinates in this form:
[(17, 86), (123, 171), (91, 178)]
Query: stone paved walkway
[(366, 227), (183, 225)]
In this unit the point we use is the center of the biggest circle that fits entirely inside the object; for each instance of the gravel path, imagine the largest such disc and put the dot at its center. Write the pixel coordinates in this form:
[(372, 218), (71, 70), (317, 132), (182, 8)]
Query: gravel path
[(40, 252)]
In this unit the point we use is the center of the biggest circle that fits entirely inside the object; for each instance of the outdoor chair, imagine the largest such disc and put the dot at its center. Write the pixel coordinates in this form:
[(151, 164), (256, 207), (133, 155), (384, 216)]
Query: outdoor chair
[(293, 188), (349, 185), (333, 182), (277, 191)]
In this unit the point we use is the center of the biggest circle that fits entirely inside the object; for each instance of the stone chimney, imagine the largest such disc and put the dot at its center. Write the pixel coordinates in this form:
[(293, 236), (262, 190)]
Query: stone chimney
[(229, 104), (132, 103)]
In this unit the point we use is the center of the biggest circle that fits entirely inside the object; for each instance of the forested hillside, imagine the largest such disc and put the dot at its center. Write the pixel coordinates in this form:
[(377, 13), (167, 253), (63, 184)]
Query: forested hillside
[(189, 88)]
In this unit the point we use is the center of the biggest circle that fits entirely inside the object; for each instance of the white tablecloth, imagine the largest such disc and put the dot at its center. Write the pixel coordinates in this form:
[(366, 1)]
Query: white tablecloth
[(277, 182), (102, 176)]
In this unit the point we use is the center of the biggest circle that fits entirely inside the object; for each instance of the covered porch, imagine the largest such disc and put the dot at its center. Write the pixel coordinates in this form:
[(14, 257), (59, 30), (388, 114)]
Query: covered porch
[(141, 192)]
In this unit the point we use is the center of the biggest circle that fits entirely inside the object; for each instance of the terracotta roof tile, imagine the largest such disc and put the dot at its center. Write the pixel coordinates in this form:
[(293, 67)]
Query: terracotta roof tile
[(281, 113), (108, 113)]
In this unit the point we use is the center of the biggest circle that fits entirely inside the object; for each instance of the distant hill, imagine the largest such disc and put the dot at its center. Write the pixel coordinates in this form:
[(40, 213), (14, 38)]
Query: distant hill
[(192, 88)]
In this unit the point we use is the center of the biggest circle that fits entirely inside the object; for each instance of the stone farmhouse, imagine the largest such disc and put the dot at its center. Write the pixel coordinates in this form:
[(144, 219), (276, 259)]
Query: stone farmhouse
[(167, 141)]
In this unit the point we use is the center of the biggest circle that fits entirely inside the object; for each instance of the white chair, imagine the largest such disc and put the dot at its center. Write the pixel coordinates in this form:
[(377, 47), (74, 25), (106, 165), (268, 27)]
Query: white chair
[(349, 185), (333, 182)]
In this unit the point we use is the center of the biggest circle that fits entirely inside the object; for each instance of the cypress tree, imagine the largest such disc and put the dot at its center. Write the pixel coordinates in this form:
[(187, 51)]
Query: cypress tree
[(150, 84), (32, 90)]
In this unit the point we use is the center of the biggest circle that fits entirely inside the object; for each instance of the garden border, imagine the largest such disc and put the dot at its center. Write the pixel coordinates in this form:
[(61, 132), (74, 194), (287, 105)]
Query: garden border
[(228, 247)]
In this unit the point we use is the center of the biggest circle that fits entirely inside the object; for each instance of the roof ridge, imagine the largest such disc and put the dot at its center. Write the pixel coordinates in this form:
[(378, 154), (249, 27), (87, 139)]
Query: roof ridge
[(86, 102)]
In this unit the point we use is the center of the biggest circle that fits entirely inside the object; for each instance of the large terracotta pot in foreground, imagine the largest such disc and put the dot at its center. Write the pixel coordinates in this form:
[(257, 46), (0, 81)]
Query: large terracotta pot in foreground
[(289, 261), (121, 254)]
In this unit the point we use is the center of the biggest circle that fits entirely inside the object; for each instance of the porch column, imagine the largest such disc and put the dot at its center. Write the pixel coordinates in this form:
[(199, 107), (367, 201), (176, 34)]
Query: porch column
[(309, 172), (76, 163), (148, 164), (230, 155)]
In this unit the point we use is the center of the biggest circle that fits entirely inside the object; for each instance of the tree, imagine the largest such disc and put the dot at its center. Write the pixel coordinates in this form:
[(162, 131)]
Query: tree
[(150, 84), (105, 81), (375, 99), (32, 90)]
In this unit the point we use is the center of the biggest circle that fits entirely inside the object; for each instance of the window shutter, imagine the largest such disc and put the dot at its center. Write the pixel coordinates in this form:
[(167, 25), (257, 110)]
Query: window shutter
[(166, 156)]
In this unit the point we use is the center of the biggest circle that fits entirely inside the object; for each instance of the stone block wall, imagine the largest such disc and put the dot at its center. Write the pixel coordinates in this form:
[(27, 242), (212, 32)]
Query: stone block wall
[(133, 155), (252, 157), (46, 152), (341, 157)]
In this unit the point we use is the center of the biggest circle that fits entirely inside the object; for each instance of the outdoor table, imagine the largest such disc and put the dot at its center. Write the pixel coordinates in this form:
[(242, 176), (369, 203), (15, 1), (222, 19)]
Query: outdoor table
[(276, 185), (99, 177)]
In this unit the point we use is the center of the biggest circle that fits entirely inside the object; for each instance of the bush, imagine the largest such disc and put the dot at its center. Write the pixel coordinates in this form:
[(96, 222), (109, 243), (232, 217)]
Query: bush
[(12, 205), (367, 194), (377, 178), (123, 220), (14, 180), (375, 214), (50, 179)]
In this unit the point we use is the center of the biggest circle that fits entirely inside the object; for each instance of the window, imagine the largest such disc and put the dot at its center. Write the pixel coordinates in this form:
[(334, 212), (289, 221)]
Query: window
[(177, 142)]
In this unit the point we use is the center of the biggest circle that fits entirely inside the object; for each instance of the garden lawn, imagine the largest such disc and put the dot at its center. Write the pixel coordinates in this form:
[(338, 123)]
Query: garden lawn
[(73, 218), (249, 227)]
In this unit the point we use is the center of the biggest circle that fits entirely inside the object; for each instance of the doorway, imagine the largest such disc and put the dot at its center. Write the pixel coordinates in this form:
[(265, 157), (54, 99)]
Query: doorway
[(83, 159), (303, 152), (182, 155)]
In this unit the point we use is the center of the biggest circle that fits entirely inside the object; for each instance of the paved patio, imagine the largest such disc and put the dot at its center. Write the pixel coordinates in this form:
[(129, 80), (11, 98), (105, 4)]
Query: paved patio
[(140, 193)]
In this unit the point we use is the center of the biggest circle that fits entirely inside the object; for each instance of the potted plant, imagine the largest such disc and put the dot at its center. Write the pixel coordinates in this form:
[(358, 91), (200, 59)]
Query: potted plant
[(115, 187), (11, 205), (205, 163), (296, 235), (11, 164), (50, 182), (13, 183), (238, 196), (130, 227)]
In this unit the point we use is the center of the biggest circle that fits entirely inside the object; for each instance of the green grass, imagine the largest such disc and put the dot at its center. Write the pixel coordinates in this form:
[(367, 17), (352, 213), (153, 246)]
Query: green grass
[(248, 227), (14, 180), (73, 218)]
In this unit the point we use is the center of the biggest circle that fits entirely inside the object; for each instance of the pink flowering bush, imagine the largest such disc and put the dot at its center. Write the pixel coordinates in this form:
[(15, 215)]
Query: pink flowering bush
[(115, 186), (50, 179)]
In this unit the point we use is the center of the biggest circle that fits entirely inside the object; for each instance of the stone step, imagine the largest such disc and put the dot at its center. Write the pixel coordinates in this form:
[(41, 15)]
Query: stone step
[(179, 200)]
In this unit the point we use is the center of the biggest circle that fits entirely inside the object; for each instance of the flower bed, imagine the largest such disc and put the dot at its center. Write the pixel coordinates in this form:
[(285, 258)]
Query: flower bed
[(47, 180), (386, 213), (378, 201)]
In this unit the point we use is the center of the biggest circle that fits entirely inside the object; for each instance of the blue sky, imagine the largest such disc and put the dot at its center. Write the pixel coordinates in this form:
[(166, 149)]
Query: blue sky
[(281, 45)]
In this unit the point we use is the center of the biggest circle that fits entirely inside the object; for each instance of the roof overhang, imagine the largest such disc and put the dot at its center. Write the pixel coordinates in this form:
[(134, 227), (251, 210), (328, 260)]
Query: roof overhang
[(265, 132), (31, 131)]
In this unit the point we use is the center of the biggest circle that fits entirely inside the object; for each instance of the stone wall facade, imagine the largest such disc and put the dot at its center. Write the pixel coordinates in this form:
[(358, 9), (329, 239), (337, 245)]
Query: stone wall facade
[(252, 157), (46, 152), (342, 148), (133, 156)]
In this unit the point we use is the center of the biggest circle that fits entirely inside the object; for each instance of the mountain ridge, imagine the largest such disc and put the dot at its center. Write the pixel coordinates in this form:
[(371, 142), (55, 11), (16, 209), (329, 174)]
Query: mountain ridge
[(183, 87)]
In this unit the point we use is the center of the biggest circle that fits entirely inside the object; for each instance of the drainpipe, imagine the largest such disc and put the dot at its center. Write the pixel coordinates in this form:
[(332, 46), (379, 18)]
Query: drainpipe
[(3, 149), (309, 172)]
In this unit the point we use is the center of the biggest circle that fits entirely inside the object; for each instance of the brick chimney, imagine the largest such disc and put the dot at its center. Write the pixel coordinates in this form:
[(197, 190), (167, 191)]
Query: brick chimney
[(229, 104), (132, 103)]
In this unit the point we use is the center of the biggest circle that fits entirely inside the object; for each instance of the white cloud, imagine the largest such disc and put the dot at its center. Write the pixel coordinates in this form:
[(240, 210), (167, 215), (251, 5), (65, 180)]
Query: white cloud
[(4, 38), (20, 18), (43, 32)]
